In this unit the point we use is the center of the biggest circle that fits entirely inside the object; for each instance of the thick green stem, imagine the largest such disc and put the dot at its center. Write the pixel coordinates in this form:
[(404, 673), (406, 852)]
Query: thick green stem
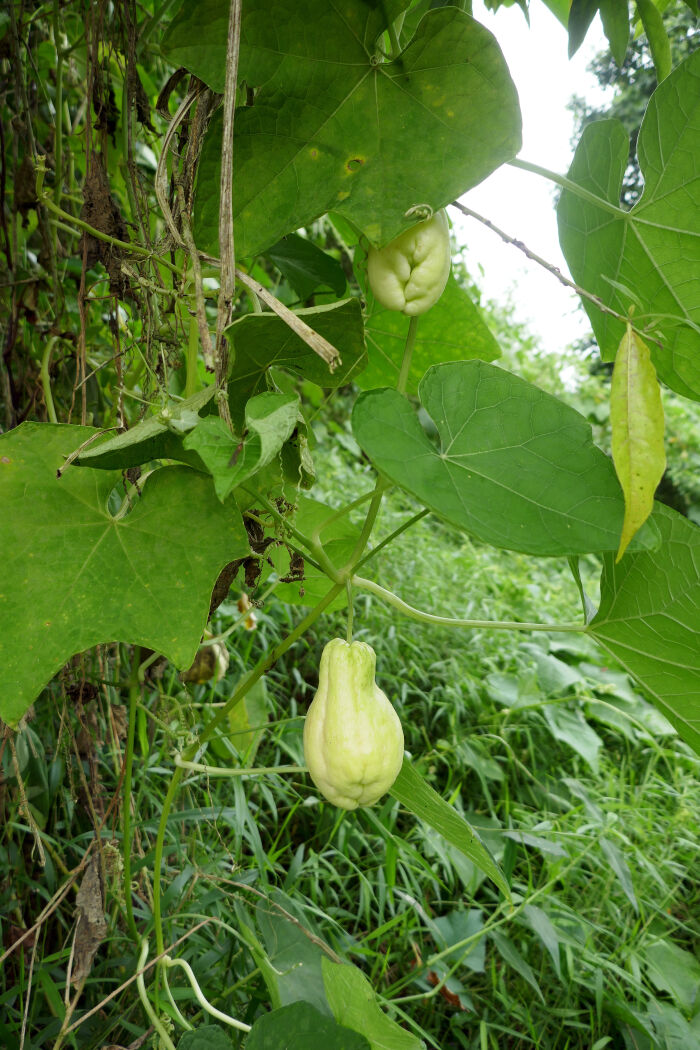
[(448, 621)]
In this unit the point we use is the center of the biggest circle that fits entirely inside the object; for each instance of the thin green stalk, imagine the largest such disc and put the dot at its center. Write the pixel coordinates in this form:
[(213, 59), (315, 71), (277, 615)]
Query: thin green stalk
[(46, 379), (379, 489), (201, 998), (392, 536), (407, 355), (135, 249), (322, 561), (316, 534), (569, 184), (448, 621), (221, 716), (134, 695)]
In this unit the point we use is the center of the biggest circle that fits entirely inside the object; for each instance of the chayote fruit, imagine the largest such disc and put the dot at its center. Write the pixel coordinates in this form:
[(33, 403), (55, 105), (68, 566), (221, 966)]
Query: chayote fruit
[(353, 741), (410, 273)]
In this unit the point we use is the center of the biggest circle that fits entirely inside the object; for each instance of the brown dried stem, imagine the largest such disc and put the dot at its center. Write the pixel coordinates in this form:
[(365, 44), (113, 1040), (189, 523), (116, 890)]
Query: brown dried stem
[(227, 285), (549, 267)]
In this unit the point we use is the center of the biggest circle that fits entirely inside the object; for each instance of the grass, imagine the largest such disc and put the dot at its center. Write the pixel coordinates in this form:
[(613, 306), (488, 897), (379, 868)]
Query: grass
[(587, 800)]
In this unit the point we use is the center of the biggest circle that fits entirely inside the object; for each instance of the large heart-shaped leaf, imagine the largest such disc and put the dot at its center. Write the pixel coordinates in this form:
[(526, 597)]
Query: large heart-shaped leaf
[(333, 126), (650, 254), (262, 341), (72, 575), (452, 330), (649, 619), (517, 468)]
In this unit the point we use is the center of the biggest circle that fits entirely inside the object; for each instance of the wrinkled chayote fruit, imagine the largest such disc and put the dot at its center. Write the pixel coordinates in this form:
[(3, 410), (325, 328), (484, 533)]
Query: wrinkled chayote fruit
[(353, 741), (410, 273)]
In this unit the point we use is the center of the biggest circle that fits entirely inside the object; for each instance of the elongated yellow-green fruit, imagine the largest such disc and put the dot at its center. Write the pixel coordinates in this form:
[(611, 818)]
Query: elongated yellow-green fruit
[(410, 273), (353, 741)]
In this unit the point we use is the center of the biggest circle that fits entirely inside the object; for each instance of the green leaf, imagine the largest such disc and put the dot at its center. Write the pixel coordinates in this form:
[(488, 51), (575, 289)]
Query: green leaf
[(270, 420), (659, 44), (263, 341), (560, 9), (301, 1027), (654, 248), (637, 422), (206, 1037), (351, 134), (581, 14), (649, 619), (452, 330), (196, 38), (306, 267), (615, 16), (416, 795), (518, 468), (510, 954), (158, 437), (294, 952), (676, 971), (570, 727), (452, 929), (73, 576), (354, 1004), (541, 925)]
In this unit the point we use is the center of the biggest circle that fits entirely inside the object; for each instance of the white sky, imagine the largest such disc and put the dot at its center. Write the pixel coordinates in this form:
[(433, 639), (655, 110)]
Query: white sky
[(520, 203)]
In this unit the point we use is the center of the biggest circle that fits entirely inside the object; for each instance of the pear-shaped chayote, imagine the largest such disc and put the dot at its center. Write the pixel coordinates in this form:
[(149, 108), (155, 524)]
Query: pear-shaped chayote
[(353, 741), (410, 273)]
